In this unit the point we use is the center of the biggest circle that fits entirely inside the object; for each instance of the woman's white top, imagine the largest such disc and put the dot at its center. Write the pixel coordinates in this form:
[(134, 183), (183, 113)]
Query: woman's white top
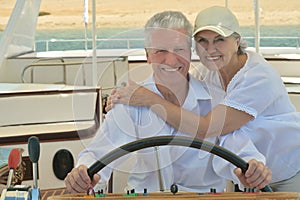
[(258, 90)]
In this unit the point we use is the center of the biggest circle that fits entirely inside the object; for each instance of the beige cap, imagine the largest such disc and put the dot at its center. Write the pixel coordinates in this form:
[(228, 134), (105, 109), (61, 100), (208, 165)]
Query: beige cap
[(218, 19)]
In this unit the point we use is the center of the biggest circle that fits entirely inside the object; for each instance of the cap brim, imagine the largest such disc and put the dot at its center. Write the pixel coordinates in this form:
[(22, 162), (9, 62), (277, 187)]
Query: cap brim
[(220, 30)]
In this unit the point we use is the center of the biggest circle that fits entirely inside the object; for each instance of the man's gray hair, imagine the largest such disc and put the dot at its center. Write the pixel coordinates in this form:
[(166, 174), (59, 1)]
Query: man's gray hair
[(167, 20)]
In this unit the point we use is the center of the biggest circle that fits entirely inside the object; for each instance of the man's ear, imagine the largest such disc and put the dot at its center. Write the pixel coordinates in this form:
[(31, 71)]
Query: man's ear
[(147, 56)]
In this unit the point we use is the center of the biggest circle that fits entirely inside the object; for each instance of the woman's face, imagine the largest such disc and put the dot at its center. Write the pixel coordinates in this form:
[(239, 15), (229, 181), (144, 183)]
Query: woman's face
[(214, 50)]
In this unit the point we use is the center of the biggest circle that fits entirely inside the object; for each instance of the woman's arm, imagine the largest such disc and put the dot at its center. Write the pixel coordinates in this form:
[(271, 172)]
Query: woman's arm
[(221, 120)]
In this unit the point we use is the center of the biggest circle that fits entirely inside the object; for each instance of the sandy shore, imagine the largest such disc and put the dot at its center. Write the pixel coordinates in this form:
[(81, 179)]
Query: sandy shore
[(67, 14)]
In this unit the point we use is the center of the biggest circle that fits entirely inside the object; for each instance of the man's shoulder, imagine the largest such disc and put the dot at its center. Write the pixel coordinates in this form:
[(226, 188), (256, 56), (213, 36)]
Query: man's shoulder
[(199, 88)]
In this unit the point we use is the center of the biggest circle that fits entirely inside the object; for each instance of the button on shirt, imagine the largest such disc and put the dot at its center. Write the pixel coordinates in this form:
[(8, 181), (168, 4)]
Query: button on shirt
[(191, 169)]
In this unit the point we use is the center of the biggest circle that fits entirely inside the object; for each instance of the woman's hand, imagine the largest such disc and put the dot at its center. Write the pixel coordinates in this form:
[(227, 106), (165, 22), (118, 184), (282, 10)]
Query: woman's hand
[(133, 94), (257, 175), (109, 103)]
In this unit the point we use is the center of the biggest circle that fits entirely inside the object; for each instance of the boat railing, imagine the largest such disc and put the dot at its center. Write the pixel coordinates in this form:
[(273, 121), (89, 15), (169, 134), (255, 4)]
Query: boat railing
[(135, 43), (58, 61), (39, 63)]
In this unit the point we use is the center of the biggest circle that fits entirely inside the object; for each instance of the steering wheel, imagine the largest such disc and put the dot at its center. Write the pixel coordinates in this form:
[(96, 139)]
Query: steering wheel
[(170, 140)]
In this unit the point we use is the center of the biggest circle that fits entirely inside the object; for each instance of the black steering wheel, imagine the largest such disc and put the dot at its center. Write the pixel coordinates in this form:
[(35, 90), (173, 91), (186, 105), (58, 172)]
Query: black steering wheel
[(170, 140)]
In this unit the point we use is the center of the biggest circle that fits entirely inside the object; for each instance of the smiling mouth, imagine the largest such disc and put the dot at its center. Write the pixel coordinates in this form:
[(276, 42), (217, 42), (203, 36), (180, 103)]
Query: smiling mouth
[(213, 58), (171, 69)]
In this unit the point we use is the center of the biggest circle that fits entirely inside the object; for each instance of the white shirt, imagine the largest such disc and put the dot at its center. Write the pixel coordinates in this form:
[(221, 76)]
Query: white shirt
[(191, 169), (258, 90)]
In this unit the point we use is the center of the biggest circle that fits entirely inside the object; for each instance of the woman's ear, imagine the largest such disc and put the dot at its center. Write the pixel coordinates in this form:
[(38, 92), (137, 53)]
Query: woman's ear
[(238, 40)]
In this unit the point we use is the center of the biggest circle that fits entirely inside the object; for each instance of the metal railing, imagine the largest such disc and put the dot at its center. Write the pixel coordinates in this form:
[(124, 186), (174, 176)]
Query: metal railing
[(58, 44), (130, 43), (44, 62)]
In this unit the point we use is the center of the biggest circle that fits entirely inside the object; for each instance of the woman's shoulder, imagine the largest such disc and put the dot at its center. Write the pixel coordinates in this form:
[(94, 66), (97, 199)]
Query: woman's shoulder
[(258, 72), (254, 59), (257, 64)]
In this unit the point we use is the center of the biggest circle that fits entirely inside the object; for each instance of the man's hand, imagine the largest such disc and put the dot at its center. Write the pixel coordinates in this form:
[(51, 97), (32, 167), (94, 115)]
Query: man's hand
[(78, 180), (257, 176)]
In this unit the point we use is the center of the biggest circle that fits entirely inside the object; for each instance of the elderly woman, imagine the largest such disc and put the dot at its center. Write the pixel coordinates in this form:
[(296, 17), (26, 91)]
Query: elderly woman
[(251, 97)]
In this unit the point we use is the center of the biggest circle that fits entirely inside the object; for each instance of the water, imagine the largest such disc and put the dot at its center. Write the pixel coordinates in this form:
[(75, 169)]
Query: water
[(111, 35)]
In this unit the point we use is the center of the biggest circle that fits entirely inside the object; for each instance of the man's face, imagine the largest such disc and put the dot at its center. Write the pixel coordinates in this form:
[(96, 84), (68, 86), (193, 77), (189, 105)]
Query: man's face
[(169, 54)]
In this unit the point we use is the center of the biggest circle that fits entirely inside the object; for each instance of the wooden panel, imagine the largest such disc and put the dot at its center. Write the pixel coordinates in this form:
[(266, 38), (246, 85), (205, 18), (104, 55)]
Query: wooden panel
[(188, 196)]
